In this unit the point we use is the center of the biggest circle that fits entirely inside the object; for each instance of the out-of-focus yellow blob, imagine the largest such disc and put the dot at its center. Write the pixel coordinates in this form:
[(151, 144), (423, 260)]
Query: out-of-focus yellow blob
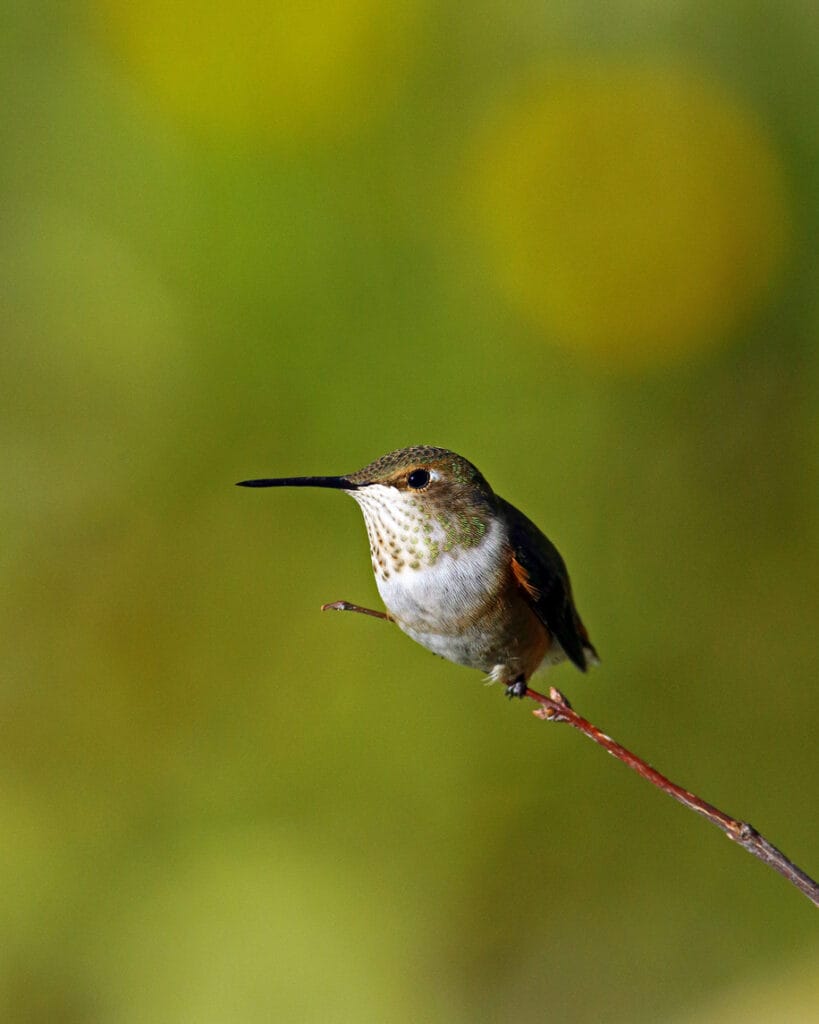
[(284, 69), (636, 214)]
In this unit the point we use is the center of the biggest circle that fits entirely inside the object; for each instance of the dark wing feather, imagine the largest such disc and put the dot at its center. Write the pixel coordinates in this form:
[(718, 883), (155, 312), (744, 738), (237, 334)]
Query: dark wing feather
[(542, 576)]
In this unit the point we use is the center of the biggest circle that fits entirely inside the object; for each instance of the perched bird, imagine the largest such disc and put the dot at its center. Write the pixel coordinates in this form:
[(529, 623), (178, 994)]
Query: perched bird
[(460, 570)]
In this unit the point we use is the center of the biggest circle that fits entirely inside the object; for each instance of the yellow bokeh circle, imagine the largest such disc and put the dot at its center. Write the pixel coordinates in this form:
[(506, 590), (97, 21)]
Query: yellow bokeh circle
[(285, 69), (637, 214)]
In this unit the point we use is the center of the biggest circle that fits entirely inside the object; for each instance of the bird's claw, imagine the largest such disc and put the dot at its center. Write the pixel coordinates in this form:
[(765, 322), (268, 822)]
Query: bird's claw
[(517, 688)]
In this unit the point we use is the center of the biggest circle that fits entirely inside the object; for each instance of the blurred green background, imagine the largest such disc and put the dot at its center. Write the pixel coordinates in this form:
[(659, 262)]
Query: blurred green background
[(576, 243)]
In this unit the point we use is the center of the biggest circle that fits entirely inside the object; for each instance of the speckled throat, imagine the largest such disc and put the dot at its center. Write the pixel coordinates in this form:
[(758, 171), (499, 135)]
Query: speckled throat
[(408, 533)]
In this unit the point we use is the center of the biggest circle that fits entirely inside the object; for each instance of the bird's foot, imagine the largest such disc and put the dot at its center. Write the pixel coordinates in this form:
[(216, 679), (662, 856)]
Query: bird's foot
[(517, 688)]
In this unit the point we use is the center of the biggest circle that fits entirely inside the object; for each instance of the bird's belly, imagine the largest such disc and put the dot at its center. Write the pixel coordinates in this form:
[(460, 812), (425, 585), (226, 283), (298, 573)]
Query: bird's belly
[(468, 616)]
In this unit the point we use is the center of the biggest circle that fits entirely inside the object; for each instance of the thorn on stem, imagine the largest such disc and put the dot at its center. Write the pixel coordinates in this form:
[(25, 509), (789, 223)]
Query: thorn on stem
[(549, 714), (559, 698)]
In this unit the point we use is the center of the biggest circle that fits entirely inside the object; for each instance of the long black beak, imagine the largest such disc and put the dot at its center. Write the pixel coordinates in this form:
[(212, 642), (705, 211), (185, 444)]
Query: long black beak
[(340, 483)]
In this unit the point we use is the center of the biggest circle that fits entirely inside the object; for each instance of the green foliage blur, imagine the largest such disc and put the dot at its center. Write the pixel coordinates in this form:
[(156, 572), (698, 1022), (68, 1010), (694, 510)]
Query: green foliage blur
[(574, 242)]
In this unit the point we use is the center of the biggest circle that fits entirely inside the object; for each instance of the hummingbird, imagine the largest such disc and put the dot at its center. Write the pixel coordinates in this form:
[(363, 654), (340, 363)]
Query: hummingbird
[(460, 570)]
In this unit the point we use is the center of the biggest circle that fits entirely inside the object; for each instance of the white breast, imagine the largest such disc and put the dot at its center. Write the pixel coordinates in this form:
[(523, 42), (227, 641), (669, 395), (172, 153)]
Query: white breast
[(441, 596)]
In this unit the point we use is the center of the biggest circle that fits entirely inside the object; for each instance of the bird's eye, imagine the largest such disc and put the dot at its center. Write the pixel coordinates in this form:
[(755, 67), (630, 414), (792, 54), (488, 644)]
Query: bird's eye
[(418, 479)]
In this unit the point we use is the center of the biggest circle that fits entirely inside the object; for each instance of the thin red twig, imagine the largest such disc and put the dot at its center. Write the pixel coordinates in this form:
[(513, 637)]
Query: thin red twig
[(556, 708)]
